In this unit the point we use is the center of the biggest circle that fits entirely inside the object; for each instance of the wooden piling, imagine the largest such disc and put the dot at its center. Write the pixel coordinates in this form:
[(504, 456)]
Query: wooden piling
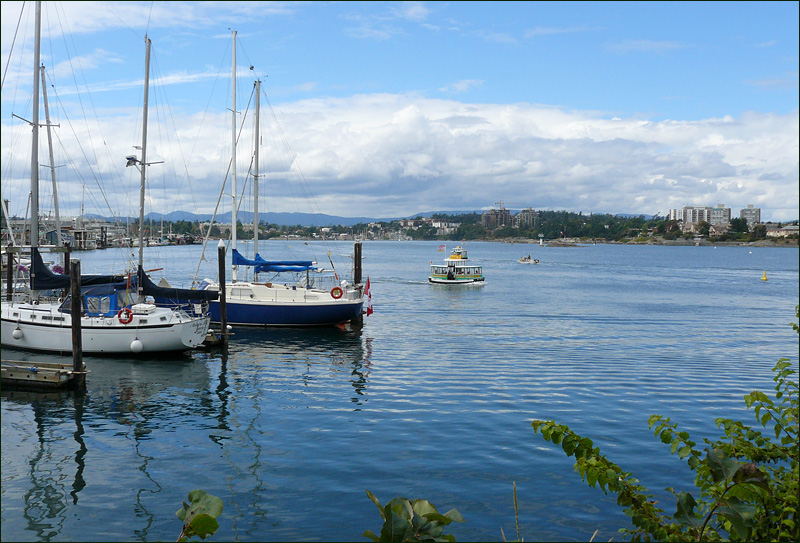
[(357, 263), (223, 308), (77, 311)]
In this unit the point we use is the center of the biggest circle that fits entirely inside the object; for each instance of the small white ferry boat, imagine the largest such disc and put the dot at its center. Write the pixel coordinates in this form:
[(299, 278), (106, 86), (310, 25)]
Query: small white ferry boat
[(456, 270)]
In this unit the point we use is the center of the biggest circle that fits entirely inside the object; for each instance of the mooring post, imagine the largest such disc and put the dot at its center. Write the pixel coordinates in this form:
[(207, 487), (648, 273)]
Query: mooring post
[(223, 308), (357, 263), (77, 310)]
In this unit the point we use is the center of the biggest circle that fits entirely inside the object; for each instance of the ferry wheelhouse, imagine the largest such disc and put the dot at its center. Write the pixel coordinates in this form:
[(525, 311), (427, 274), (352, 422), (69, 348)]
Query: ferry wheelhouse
[(456, 270)]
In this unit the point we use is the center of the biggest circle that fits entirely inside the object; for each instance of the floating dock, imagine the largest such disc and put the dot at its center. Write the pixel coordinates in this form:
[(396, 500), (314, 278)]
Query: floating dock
[(19, 375)]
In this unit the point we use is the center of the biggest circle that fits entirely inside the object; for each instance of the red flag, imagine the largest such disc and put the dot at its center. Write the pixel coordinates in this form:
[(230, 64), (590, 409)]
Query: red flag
[(368, 296)]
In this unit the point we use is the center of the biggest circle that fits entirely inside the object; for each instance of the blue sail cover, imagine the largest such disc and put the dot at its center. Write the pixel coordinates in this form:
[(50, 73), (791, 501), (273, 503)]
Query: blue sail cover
[(169, 295), (278, 266)]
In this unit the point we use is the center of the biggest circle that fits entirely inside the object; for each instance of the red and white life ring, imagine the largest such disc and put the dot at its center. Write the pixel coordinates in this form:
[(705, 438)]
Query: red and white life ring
[(125, 315), (336, 293)]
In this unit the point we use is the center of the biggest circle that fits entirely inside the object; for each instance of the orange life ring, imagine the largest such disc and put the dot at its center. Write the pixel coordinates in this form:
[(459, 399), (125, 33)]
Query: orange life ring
[(336, 293), (125, 315)]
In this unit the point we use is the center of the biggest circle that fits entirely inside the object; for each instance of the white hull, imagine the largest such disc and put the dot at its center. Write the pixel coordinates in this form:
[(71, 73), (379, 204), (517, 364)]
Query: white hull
[(474, 282), (42, 327)]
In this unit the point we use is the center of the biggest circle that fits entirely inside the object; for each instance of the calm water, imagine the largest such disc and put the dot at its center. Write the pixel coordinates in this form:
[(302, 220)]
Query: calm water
[(432, 399)]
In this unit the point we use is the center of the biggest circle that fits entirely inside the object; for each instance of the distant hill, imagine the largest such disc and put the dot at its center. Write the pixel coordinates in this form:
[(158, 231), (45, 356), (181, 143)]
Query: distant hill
[(302, 219)]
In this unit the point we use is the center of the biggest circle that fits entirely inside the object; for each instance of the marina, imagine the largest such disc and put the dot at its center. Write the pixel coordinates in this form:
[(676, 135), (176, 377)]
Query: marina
[(293, 420)]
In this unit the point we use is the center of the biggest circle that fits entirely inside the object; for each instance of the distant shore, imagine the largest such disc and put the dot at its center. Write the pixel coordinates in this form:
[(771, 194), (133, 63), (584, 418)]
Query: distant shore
[(577, 242)]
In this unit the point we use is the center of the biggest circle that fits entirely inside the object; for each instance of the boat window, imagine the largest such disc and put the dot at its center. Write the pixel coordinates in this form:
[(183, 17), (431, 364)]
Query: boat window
[(126, 298), (98, 306), (241, 293)]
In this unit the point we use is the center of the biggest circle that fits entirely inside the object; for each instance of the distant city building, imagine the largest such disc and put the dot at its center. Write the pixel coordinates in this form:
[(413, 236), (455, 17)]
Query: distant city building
[(752, 214), (720, 215), (496, 218), (527, 218)]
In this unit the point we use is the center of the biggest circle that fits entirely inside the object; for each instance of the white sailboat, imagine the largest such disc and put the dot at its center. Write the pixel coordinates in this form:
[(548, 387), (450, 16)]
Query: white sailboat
[(251, 303), (118, 313)]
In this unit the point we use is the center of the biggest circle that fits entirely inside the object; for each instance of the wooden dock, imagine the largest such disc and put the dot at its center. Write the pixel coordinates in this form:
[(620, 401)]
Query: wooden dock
[(19, 375)]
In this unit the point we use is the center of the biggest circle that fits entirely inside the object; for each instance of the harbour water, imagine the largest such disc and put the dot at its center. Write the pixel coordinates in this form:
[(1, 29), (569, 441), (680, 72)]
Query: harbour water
[(433, 398)]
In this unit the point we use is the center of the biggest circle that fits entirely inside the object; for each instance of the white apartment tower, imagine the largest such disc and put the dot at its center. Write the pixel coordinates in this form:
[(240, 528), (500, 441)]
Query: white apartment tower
[(752, 214)]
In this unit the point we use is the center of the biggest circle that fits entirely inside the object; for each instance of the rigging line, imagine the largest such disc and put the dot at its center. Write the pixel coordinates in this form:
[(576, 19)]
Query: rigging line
[(80, 101), (219, 199), (294, 166), (13, 41), (80, 146), (149, 15), (202, 122), (121, 20), (175, 128)]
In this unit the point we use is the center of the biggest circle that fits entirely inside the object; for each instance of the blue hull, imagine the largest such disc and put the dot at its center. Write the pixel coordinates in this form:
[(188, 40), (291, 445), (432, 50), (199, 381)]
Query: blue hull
[(287, 315)]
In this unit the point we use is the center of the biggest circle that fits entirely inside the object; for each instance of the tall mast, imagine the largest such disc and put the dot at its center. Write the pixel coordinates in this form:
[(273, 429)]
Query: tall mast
[(235, 269), (35, 142), (52, 160), (255, 169), (144, 151)]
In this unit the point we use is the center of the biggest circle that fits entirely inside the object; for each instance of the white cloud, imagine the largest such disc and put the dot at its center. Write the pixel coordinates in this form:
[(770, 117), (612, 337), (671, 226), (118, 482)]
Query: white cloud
[(462, 86), (395, 155)]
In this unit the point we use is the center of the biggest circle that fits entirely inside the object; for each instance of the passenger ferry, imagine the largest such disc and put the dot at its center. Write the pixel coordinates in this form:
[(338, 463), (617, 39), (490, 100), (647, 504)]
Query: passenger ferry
[(456, 270)]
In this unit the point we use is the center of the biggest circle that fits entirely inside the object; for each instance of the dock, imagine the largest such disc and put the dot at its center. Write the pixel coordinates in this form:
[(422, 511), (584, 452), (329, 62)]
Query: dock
[(45, 376)]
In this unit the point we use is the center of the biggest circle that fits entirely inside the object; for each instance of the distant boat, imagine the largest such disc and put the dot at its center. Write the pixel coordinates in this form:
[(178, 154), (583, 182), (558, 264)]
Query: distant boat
[(456, 270), (528, 260)]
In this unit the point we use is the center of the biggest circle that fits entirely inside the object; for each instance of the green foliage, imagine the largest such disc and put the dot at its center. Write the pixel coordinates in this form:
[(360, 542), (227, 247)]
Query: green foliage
[(416, 520), (747, 480), (199, 516)]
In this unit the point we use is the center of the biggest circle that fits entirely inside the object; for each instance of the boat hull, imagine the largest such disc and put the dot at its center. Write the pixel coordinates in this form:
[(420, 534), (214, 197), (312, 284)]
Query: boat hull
[(256, 304), (100, 335), (445, 281)]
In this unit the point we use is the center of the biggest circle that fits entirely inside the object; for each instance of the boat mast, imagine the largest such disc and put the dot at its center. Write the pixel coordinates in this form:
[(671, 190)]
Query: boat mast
[(234, 269), (144, 155), (35, 142), (255, 170), (52, 160)]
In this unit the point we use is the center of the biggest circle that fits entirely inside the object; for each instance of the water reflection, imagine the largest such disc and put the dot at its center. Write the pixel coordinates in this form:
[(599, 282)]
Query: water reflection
[(302, 353), (48, 465), (46, 497)]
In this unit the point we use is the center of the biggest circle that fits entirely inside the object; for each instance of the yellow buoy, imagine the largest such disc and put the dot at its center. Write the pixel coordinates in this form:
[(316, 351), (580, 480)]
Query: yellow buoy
[(764, 277)]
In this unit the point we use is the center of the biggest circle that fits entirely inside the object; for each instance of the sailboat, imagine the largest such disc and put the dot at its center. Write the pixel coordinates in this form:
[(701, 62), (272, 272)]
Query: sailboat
[(250, 303), (118, 313)]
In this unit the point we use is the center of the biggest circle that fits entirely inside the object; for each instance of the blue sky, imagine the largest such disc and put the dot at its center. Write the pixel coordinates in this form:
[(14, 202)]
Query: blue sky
[(386, 109)]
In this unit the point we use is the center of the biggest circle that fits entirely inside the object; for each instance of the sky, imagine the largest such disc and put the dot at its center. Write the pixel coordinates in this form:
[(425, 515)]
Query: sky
[(389, 109)]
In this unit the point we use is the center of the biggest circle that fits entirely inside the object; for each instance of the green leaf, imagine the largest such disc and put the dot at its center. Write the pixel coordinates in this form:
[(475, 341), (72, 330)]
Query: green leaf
[(454, 515), (684, 452), (684, 513), (721, 466), (200, 502), (740, 515), (371, 535), (750, 474), (204, 525), (374, 500), (568, 444)]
